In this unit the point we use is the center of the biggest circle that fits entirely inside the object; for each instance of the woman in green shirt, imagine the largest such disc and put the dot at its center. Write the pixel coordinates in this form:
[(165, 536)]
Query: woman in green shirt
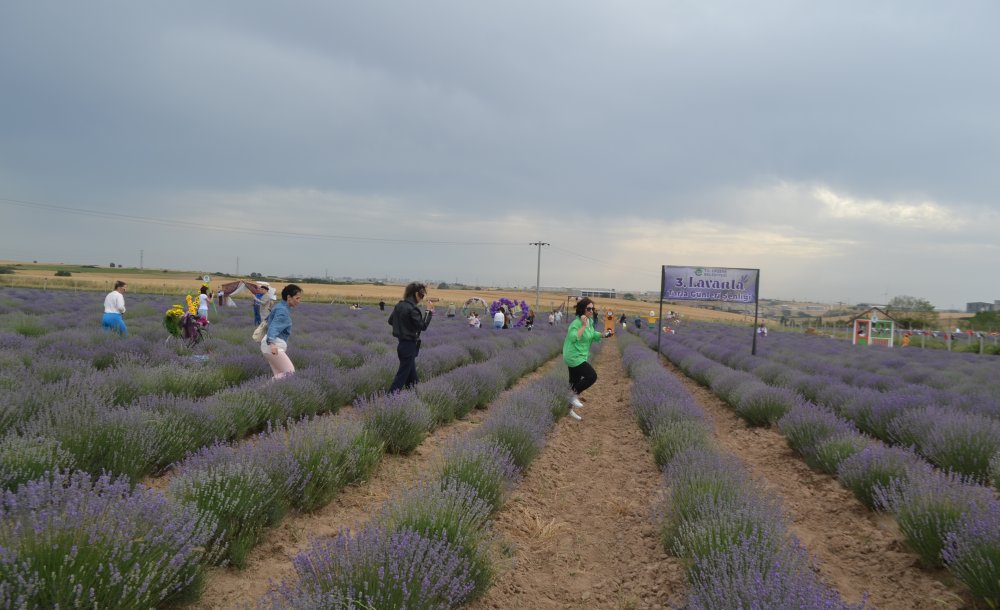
[(576, 351)]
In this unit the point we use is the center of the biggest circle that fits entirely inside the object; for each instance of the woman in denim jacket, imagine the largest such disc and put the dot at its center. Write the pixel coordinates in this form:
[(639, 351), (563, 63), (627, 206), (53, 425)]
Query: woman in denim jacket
[(279, 327)]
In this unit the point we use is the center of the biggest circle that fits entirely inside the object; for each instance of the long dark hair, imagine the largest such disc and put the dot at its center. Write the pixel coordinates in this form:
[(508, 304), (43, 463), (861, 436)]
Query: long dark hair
[(413, 288), (581, 306), (289, 291)]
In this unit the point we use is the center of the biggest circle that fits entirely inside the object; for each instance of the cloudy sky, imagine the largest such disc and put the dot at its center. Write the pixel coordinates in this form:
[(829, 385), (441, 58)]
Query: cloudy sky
[(850, 150)]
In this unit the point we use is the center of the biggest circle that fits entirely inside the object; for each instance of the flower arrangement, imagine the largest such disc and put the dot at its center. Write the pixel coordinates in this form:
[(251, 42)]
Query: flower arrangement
[(518, 311), (172, 320), (182, 322)]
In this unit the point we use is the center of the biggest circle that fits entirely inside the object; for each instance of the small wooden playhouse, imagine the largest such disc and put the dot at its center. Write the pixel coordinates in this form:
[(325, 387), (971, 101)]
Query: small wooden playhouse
[(873, 327)]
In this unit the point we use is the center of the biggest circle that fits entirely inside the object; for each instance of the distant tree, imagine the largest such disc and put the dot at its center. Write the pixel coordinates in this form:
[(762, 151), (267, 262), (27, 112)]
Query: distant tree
[(628, 296), (443, 286), (6, 270), (987, 321), (63, 273), (112, 265), (912, 312)]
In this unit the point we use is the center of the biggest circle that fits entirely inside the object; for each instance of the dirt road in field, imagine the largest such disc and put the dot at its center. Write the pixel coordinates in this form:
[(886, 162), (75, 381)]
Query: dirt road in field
[(271, 561), (579, 526), (577, 531), (857, 550)]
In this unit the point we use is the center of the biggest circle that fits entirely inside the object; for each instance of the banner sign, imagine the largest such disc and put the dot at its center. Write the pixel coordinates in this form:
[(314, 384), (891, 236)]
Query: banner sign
[(709, 284)]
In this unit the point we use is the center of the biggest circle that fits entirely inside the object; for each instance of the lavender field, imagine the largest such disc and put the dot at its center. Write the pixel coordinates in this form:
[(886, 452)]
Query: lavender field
[(913, 433), (88, 418), (137, 472)]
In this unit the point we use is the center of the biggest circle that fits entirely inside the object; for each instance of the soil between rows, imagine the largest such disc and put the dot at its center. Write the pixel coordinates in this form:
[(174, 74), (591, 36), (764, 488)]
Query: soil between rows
[(577, 530), (579, 524), (270, 563), (857, 551)]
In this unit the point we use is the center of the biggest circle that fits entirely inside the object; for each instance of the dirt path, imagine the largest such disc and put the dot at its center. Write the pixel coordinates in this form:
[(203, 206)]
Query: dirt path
[(858, 550), (578, 525), (271, 561)]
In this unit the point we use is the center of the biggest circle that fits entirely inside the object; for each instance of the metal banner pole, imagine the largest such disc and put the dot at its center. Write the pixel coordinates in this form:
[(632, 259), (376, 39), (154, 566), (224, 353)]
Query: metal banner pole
[(659, 326), (756, 302)]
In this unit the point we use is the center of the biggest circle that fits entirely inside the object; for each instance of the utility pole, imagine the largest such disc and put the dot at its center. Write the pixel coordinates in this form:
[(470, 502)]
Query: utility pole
[(237, 266), (538, 272), (140, 260)]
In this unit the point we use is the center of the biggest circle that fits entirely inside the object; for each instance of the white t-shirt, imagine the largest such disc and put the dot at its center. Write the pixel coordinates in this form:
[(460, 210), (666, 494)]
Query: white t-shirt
[(202, 302), (498, 317), (114, 302)]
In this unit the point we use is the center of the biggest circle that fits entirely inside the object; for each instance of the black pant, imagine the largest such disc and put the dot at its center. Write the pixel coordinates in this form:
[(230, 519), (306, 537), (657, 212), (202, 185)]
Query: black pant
[(406, 376), (582, 377)]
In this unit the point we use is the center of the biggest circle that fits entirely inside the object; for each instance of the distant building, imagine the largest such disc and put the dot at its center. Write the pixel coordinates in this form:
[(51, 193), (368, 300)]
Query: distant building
[(601, 293), (978, 306)]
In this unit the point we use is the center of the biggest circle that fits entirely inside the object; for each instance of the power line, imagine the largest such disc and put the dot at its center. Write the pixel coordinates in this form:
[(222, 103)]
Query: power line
[(603, 262), (243, 230)]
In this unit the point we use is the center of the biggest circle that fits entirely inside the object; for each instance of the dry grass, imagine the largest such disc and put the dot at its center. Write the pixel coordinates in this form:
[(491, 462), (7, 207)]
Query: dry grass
[(182, 282), (537, 529)]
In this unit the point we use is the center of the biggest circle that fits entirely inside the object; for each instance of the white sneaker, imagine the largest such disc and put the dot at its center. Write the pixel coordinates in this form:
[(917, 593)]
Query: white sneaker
[(575, 401), (574, 415)]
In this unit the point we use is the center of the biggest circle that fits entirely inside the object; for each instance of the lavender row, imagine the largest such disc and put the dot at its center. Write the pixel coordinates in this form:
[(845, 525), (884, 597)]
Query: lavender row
[(728, 529), (155, 431), (430, 546), (249, 487), (83, 365), (215, 510), (944, 517), (965, 382), (948, 433)]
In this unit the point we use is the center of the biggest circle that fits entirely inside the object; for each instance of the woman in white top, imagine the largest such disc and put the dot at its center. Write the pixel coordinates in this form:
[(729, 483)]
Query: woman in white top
[(203, 300), (114, 307), (498, 319)]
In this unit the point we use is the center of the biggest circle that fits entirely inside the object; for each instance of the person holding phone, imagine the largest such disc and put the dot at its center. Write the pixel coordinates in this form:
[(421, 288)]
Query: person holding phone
[(408, 321), (576, 351), (274, 345)]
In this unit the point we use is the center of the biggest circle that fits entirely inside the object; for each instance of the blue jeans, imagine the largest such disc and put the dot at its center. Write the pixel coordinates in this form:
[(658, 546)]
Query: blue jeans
[(406, 376), (114, 322)]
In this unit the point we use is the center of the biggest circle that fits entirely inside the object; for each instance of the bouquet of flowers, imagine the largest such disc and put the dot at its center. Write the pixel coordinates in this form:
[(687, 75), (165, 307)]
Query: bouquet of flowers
[(183, 323), (172, 320)]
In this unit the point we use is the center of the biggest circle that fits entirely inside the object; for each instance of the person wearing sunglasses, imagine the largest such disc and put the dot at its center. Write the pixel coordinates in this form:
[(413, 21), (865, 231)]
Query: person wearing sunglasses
[(408, 321), (576, 352)]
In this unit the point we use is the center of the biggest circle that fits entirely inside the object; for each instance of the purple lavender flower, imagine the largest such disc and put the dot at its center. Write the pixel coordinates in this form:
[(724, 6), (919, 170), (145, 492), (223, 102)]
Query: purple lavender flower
[(742, 577), (482, 464), (930, 507), (972, 552), (762, 405), (834, 449), (331, 453), (72, 542), (806, 425), (24, 459), (879, 467), (518, 428), (440, 397), (399, 420), (237, 491), (449, 510), (375, 568), (963, 443)]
